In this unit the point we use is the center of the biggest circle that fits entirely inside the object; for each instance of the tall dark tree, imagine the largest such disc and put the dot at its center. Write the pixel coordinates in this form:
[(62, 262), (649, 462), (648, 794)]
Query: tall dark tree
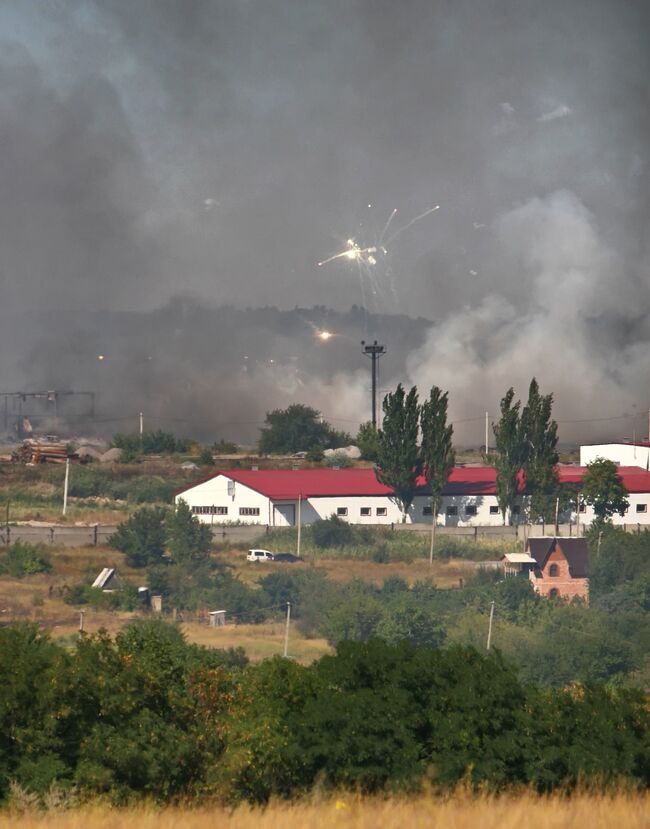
[(511, 453), (539, 433), (399, 462), (604, 490), (437, 451)]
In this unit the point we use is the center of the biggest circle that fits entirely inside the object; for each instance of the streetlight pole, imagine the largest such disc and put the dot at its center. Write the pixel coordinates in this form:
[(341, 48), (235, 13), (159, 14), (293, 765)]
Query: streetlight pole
[(374, 351)]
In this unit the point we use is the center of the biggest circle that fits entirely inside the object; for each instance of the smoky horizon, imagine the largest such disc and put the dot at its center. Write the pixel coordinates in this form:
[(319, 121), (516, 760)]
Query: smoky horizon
[(189, 184)]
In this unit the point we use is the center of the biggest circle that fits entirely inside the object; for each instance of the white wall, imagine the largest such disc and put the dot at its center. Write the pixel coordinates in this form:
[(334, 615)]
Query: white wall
[(215, 493), (624, 454)]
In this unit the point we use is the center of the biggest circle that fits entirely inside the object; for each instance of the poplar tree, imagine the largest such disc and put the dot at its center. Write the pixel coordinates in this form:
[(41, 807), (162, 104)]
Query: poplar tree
[(539, 433), (511, 453), (399, 462), (437, 451)]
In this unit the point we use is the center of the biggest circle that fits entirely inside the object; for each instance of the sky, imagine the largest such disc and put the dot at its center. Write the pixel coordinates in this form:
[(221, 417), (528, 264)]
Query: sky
[(221, 149)]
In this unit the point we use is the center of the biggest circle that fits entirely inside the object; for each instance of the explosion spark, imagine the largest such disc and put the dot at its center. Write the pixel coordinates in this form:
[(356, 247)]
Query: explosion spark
[(355, 253), (366, 256), (324, 335)]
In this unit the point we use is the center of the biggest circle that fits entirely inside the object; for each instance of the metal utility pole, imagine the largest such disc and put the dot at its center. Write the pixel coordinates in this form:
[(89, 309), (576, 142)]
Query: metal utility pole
[(65, 485), (286, 630), (141, 423), (489, 639), (81, 621), (374, 351), (299, 523), (487, 444)]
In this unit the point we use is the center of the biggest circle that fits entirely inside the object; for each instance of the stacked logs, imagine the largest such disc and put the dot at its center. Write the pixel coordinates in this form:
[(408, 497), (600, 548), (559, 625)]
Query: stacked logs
[(33, 452)]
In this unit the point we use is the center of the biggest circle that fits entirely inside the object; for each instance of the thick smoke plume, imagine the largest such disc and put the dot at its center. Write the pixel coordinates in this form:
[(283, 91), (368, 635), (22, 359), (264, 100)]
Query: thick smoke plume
[(218, 149)]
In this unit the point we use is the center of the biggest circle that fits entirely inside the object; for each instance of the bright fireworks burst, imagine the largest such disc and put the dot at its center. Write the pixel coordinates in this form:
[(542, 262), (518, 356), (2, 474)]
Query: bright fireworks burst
[(368, 258), (368, 255)]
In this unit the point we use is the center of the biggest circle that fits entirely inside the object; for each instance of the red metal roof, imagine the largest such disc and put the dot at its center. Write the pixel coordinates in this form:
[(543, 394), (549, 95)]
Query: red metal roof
[(289, 484)]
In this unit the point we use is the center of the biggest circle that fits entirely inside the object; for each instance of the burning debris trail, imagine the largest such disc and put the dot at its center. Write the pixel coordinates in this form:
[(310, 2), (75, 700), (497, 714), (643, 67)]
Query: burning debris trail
[(355, 253), (412, 222), (368, 255)]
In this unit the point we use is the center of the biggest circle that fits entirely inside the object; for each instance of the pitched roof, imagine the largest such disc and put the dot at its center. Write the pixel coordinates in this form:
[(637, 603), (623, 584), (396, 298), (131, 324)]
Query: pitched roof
[(575, 551), (290, 484), (106, 577)]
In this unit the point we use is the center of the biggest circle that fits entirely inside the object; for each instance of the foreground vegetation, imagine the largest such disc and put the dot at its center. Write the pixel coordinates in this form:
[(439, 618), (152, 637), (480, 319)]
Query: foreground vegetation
[(146, 715), (460, 811)]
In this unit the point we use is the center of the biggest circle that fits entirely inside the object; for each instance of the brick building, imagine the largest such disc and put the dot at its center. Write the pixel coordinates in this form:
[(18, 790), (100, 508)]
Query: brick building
[(561, 567)]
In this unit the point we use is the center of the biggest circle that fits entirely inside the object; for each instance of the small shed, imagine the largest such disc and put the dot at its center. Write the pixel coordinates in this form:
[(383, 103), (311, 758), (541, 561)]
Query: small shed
[(515, 564), (108, 580)]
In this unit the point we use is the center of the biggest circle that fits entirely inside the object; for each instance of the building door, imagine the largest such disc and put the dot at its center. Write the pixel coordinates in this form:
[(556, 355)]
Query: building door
[(284, 515)]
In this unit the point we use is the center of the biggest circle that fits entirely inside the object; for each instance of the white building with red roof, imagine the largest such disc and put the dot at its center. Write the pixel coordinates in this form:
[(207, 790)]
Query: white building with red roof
[(278, 497)]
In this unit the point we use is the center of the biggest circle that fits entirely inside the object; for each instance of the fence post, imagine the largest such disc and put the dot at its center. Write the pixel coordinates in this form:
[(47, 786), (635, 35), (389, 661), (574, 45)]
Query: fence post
[(51, 535), (95, 534)]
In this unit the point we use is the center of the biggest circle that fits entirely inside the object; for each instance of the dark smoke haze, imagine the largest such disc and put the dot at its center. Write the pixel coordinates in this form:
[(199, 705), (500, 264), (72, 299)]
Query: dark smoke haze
[(218, 149)]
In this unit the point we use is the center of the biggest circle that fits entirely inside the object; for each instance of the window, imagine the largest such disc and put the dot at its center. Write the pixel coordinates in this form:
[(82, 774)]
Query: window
[(340, 511), (494, 510), (365, 510), (553, 570), (249, 510), (210, 510), (427, 511), (583, 508), (452, 510), (553, 593), (381, 510), (470, 509), (516, 509), (641, 507)]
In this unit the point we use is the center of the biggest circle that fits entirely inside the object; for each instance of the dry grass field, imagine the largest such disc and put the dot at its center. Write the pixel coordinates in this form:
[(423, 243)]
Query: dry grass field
[(457, 812), (444, 573)]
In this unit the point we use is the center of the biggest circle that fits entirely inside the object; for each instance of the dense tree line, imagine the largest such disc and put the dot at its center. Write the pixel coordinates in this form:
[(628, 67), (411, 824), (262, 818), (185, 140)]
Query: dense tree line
[(147, 715)]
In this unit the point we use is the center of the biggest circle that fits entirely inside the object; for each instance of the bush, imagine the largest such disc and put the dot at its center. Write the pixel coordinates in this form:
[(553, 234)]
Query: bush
[(331, 532), (24, 559), (149, 443), (205, 458), (142, 537), (224, 447), (338, 459)]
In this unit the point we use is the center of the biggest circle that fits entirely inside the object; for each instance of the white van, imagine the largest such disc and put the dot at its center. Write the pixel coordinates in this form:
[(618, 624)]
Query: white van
[(259, 555)]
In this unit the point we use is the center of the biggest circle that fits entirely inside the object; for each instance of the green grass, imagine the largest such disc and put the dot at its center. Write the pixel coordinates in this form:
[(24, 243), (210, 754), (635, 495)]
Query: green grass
[(382, 545)]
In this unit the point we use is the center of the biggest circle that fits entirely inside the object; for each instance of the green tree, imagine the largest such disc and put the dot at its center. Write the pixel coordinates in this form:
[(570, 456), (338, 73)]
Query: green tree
[(399, 461), (437, 450), (539, 433), (142, 537), (298, 428), (205, 458), (511, 453), (604, 490), (188, 540), (331, 532), (367, 440)]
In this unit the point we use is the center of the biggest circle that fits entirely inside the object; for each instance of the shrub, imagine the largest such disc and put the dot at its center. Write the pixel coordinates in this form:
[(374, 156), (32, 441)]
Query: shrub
[(339, 459), (142, 537), (331, 532), (24, 559), (224, 447), (205, 458)]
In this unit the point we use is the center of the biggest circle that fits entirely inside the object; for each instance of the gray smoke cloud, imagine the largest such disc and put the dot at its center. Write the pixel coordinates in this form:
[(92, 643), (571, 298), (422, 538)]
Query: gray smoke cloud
[(220, 148)]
